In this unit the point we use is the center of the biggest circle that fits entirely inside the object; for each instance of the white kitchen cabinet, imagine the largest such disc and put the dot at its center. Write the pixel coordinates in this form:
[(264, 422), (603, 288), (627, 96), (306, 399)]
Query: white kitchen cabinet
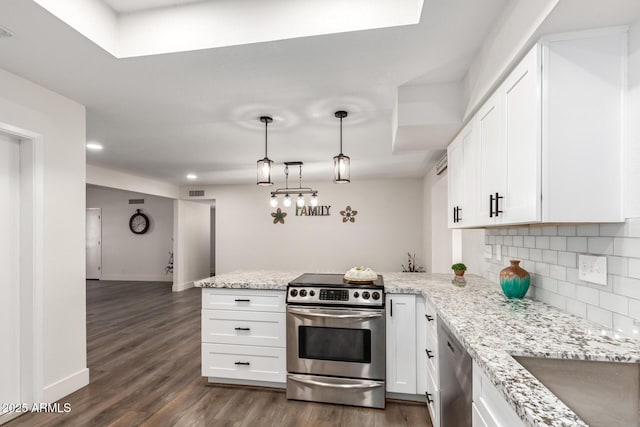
[(550, 137), (464, 184), (244, 336), (489, 408), (401, 343)]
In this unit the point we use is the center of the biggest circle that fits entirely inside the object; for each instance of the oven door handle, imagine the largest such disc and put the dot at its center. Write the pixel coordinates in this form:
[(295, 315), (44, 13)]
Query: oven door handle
[(326, 384), (333, 315)]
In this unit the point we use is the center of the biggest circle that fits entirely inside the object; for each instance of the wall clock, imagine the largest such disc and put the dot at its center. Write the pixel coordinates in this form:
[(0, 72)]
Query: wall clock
[(139, 223)]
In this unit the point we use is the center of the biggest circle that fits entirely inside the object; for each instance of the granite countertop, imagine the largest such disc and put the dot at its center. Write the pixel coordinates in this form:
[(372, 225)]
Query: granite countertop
[(492, 328)]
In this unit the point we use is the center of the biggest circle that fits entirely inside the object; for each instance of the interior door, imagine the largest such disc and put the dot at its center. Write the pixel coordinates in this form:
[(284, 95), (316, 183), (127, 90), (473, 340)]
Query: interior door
[(10, 367), (94, 243)]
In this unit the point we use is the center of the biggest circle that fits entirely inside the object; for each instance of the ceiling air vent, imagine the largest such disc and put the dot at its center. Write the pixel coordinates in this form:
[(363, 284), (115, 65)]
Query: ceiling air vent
[(136, 201), (441, 166), (196, 193)]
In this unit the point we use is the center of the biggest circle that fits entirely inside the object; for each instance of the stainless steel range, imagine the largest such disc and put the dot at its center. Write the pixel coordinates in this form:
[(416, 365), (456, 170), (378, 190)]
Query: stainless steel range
[(336, 341)]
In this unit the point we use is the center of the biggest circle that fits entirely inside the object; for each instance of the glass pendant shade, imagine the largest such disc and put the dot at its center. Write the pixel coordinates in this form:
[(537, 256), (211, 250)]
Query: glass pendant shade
[(314, 200), (274, 201), (341, 165), (264, 171), (287, 201), (300, 200)]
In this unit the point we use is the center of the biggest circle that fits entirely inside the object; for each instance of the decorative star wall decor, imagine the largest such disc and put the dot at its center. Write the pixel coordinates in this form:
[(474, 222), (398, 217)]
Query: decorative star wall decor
[(348, 215), (278, 216)]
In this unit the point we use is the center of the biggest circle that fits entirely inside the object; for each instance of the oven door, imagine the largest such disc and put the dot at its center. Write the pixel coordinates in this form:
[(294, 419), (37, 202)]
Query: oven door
[(344, 342)]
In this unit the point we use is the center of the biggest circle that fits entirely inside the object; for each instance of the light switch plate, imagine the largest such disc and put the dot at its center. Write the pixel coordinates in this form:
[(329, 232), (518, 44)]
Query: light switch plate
[(592, 269), (498, 252)]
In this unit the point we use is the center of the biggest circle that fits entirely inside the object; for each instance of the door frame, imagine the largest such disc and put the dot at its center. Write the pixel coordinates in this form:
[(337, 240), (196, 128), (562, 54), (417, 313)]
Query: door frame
[(31, 261), (99, 210)]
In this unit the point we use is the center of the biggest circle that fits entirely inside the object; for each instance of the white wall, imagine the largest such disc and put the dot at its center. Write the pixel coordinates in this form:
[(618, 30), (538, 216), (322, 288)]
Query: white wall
[(61, 124), (129, 256), (126, 181), (439, 236), (192, 233), (387, 226)]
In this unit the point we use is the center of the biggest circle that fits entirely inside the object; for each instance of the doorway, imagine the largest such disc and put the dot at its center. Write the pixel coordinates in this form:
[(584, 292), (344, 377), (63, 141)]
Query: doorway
[(20, 267), (94, 243)]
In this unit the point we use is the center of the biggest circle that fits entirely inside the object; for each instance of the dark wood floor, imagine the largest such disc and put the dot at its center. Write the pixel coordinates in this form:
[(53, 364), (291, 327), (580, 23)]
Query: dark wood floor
[(144, 354)]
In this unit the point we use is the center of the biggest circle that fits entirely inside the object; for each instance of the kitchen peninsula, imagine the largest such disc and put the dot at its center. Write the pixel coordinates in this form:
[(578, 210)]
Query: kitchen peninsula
[(492, 329)]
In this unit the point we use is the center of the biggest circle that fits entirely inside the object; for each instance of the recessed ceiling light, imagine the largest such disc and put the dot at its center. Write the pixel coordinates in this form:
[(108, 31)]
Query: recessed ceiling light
[(5, 32), (192, 176), (94, 146)]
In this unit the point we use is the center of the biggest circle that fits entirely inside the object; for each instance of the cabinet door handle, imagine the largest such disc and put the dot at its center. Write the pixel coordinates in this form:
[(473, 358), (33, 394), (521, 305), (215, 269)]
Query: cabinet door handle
[(429, 353), (243, 300), (429, 399), (498, 197), (491, 205), (458, 214), (243, 363), (451, 347), (391, 308), (454, 215), (243, 329), (429, 318)]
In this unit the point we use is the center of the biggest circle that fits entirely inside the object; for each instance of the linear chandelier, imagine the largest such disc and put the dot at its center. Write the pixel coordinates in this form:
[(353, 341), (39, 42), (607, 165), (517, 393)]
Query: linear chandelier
[(300, 190)]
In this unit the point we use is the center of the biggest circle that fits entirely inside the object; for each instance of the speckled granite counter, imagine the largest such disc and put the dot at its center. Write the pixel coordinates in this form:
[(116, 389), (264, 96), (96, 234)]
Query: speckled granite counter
[(492, 328)]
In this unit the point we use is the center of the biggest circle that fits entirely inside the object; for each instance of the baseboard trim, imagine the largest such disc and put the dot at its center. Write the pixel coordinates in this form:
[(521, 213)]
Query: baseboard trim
[(66, 386), (139, 278), (182, 287)]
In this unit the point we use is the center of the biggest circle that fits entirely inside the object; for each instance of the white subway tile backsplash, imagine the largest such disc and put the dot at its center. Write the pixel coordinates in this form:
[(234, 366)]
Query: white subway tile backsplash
[(588, 295), (550, 254), (567, 259), (535, 254), (567, 289), (588, 230), (625, 246), (618, 265), (542, 242), (577, 244), (599, 315), (616, 229), (566, 230), (558, 272), (558, 243), (529, 242), (634, 308), (613, 302), (626, 286), (577, 308), (600, 245)]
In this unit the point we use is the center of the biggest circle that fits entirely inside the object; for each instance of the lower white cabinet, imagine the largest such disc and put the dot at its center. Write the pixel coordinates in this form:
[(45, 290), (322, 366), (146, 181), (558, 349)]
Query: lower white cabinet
[(244, 336), (401, 343), (489, 408)]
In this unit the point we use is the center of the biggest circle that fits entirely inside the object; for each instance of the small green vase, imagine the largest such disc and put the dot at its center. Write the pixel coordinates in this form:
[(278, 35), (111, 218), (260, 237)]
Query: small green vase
[(514, 280)]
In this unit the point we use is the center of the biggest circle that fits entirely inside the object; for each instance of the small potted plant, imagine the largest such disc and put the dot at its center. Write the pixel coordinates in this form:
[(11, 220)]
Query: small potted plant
[(459, 268)]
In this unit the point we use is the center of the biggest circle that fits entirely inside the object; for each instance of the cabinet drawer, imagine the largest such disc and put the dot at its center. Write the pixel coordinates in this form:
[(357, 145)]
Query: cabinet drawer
[(243, 300), (244, 362), (433, 401), (243, 327), (490, 405)]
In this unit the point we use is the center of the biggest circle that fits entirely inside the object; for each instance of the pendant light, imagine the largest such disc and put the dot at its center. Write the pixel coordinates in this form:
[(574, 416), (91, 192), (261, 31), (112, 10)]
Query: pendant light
[(264, 165), (341, 162)]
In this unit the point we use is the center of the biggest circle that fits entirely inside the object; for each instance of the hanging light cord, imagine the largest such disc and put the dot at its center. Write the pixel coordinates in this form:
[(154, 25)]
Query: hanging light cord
[(266, 123), (286, 177), (300, 182), (340, 135)]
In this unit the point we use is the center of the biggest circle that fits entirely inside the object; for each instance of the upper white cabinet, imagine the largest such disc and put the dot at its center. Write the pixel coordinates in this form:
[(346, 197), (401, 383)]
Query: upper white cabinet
[(548, 142)]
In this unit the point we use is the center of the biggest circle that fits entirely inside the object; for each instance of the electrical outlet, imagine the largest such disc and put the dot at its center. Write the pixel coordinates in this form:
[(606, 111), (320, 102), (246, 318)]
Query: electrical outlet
[(498, 253), (592, 269)]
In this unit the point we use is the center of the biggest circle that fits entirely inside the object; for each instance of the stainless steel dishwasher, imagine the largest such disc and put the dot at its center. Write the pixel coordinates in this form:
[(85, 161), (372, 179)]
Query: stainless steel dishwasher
[(455, 380)]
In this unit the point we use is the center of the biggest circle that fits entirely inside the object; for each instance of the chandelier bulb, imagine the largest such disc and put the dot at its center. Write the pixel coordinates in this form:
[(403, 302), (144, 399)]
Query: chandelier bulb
[(274, 201), (314, 199), (300, 201), (287, 201)]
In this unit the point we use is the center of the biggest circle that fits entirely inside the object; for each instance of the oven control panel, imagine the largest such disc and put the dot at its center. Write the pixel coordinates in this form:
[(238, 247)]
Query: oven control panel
[(373, 297)]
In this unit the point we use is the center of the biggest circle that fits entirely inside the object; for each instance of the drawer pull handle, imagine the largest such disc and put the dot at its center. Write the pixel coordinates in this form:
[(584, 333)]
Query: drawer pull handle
[(429, 353), (243, 363), (429, 318), (243, 329), (242, 300), (429, 399)]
